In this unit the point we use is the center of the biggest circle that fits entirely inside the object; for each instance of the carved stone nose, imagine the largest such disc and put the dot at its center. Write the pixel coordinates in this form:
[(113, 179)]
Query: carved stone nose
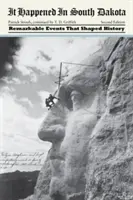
[(51, 133), (52, 128)]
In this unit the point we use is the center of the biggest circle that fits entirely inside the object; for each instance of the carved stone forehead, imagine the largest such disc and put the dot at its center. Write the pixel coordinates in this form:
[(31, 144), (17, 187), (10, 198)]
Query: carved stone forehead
[(82, 78)]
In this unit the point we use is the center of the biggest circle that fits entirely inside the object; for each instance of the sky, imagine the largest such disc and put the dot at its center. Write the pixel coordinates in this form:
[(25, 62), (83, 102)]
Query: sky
[(23, 93)]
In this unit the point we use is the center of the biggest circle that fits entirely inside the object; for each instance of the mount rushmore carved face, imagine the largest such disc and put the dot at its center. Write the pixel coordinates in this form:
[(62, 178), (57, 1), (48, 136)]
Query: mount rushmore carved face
[(68, 126)]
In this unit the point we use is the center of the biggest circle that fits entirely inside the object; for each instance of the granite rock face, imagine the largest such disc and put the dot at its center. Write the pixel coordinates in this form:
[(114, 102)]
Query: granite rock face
[(110, 159), (90, 130)]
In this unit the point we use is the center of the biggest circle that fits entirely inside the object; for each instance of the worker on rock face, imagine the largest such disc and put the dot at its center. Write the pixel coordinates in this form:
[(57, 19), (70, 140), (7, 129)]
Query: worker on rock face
[(47, 103), (51, 98), (50, 101)]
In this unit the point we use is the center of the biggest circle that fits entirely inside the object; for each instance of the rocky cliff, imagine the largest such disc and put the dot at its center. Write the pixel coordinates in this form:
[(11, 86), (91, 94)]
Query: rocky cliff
[(90, 129)]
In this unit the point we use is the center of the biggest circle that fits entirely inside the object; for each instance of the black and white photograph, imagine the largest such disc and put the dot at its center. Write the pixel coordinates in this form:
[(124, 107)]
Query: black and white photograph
[(66, 118)]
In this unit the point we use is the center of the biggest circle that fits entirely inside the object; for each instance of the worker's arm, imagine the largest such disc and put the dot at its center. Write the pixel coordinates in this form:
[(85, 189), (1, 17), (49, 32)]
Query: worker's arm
[(56, 98)]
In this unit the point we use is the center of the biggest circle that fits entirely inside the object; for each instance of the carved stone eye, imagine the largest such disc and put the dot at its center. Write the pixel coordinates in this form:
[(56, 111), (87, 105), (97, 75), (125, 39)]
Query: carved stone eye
[(76, 98), (76, 95)]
